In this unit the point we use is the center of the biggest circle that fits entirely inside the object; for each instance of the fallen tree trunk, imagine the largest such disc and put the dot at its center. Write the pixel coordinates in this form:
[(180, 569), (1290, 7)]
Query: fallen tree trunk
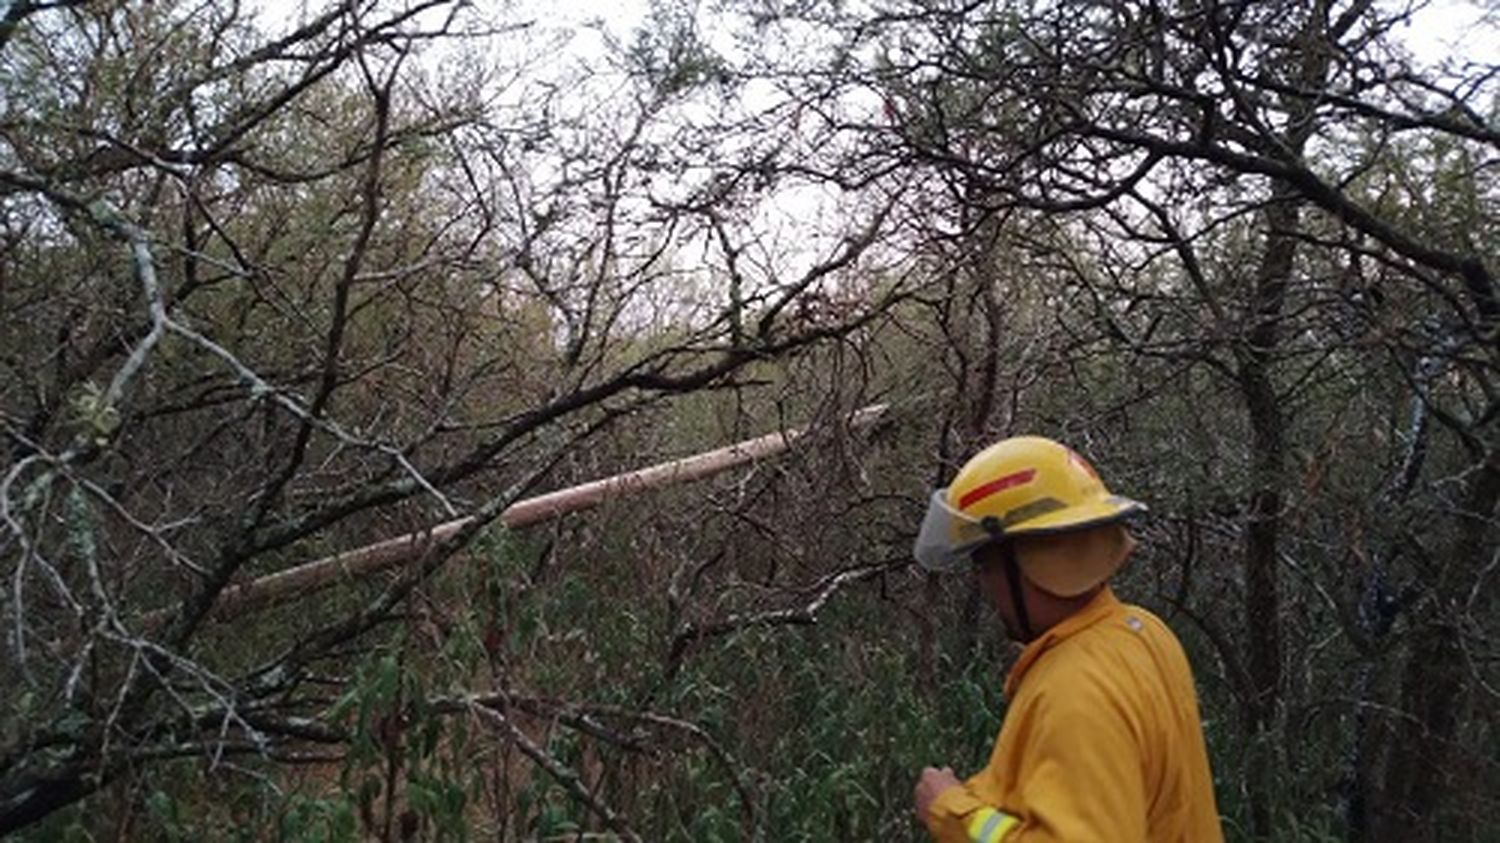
[(353, 565)]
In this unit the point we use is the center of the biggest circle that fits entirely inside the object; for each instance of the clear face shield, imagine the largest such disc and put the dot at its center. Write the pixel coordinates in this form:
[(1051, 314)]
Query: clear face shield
[(948, 536)]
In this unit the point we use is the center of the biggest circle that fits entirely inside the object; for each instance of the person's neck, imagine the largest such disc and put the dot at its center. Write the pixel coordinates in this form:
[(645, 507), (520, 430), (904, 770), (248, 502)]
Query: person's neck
[(1048, 610)]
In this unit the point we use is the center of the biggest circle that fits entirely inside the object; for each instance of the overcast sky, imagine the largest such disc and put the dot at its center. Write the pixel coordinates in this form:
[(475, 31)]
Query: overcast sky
[(1440, 28), (565, 33)]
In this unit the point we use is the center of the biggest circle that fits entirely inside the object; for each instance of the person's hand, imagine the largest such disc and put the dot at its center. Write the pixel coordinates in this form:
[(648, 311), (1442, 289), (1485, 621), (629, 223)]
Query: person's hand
[(932, 783)]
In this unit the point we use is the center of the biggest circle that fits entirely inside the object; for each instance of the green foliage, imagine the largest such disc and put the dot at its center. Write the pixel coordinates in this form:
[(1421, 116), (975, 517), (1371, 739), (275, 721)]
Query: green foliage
[(318, 819), (863, 727)]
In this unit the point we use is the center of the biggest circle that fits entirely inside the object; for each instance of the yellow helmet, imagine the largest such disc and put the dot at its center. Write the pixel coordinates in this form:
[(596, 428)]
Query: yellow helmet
[(1029, 486)]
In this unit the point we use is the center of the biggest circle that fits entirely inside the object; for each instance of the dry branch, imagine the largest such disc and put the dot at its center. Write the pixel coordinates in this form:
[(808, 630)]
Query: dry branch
[(583, 716), (361, 562), (560, 772), (806, 615)]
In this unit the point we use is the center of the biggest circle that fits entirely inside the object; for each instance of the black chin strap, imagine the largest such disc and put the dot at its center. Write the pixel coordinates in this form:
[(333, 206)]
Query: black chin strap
[(1017, 596)]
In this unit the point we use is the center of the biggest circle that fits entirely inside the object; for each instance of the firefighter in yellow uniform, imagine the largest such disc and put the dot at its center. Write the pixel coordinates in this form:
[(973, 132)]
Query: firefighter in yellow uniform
[(1101, 739)]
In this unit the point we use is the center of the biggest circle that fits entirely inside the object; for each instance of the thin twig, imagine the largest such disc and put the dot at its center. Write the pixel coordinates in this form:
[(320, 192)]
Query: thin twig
[(564, 775)]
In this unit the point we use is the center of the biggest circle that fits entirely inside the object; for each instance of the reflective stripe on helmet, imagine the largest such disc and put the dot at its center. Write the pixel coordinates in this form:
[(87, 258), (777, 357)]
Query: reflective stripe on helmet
[(979, 493), (990, 826), (1035, 509)]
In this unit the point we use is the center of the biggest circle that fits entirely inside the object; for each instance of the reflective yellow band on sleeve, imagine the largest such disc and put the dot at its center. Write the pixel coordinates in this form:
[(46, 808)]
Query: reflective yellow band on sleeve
[(990, 826)]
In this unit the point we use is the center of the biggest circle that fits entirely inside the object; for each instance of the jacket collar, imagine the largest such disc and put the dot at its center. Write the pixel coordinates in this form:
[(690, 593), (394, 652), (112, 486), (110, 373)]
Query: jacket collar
[(1102, 606)]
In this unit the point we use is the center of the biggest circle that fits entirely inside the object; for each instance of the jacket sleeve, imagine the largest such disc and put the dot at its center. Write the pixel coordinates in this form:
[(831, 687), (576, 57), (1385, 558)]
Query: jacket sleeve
[(1083, 775), (958, 816), (1080, 780)]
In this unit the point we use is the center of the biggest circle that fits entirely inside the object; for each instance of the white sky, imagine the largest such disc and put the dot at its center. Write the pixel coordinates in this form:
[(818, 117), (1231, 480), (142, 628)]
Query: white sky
[(1455, 28), (566, 34), (1440, 29)]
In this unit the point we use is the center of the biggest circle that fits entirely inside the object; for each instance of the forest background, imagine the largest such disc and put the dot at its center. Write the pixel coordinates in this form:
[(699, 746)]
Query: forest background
[(272, 290)]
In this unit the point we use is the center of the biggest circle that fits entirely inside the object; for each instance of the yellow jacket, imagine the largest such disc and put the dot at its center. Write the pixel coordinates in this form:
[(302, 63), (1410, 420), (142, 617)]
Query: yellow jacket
[(1101, 742)]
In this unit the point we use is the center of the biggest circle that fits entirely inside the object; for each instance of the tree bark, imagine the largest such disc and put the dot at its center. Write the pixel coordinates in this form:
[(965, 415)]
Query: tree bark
[(1262, 598), (1423, 763)]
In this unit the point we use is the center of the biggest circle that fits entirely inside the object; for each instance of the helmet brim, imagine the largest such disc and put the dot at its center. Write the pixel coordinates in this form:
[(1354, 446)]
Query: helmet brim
[(948, 537), (1079, 517)]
